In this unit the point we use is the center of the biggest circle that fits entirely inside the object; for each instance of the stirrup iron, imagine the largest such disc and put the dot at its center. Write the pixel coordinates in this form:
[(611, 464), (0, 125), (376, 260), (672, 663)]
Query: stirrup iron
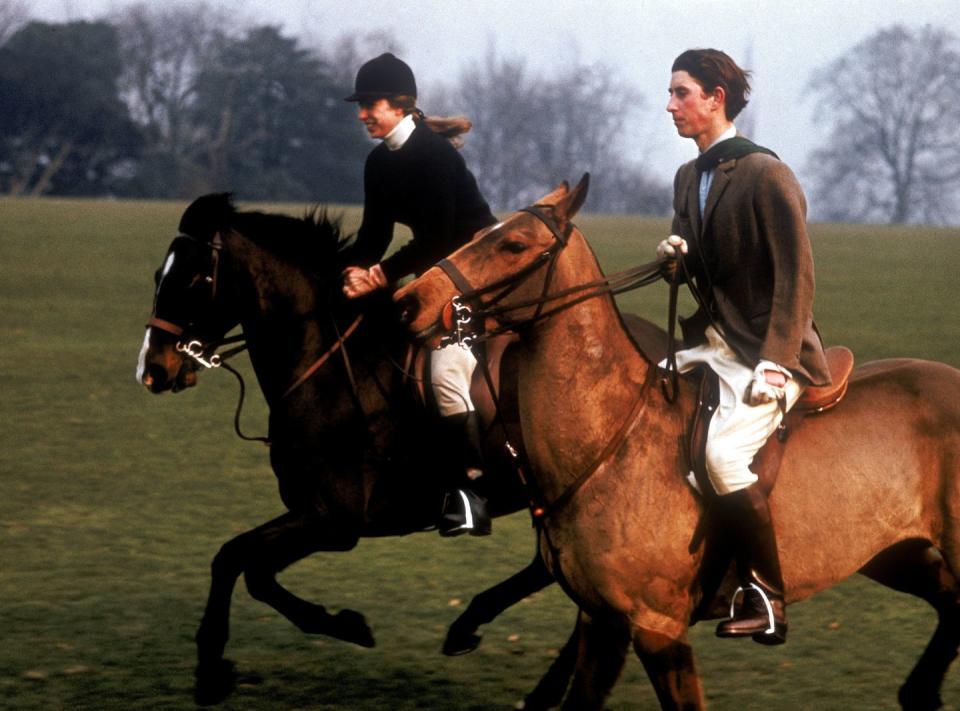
[(772, 626)]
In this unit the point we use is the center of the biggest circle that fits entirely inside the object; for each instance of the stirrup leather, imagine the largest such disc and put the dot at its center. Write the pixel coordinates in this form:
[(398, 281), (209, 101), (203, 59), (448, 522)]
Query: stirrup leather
[(766, 603)]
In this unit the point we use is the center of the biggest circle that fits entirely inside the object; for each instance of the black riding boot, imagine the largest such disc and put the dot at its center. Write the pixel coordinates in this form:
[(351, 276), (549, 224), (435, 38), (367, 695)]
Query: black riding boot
[(464, 510), (762, 613)]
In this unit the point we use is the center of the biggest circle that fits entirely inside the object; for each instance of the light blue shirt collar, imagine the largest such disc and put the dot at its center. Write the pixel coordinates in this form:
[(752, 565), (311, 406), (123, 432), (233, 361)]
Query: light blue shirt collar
[(706, 178)]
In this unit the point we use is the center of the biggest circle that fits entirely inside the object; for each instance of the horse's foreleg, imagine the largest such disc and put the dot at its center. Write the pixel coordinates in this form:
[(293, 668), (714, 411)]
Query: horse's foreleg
[(214, 674), (670, 665), (917, 567), (601, 653), (283, 542), (260, 554), (463, 637)]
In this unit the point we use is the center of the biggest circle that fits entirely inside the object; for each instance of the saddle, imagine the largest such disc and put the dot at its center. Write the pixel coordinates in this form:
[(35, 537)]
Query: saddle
[(417, 368), (715, 565), (766, 464)]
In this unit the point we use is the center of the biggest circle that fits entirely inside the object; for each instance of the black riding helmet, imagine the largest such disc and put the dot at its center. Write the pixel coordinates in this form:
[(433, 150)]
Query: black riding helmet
[(384, 77)]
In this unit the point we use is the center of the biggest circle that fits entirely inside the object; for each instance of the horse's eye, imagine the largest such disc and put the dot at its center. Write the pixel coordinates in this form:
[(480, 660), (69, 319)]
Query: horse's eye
[(513, 246)]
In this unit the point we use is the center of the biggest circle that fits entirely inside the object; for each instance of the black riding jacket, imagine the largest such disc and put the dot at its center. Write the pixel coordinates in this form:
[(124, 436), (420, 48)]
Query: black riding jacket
[(425, 184)]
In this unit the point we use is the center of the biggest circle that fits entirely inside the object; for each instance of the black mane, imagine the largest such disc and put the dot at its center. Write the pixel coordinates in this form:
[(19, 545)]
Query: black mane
[(314, 242)]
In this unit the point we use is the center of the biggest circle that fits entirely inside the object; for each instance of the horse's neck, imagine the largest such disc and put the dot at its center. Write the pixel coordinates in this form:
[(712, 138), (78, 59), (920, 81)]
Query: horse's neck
[(581, 375), (279, 317)]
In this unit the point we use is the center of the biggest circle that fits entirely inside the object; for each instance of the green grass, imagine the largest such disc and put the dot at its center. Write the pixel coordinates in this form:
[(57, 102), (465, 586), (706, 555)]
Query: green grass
[(115, 501)]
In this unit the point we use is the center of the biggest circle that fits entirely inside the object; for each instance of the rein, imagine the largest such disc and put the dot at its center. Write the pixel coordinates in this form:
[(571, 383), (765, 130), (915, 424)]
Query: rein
[(615, 284), (612, 285)]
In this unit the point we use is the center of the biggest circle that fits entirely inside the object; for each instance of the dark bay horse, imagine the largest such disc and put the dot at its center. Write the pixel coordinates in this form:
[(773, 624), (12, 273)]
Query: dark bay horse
[(348, 441), (871, 486)]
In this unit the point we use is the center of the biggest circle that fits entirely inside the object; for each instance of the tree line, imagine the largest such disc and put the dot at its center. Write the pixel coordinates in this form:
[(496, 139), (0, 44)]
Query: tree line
[(172, 102)]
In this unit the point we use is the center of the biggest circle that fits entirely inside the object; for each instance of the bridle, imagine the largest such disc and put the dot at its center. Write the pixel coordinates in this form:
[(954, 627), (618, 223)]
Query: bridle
[(203, 352), (200, 351), (465, 316), (469, 306)]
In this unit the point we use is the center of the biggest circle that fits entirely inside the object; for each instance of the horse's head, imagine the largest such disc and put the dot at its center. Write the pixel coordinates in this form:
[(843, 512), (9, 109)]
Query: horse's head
[(505, 268), (189, 310)]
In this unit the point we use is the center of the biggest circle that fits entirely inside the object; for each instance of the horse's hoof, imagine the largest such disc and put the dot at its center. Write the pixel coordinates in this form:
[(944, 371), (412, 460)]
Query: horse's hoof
[(912, 699), (351, 626), (215, 681), (458, 642)]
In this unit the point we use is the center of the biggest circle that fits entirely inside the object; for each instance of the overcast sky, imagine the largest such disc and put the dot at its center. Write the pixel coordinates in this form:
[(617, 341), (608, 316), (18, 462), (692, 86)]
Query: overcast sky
[(782, 41)]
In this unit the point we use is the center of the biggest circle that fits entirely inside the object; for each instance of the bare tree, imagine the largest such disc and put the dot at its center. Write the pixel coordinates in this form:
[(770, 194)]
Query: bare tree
[(893, 154), (350, 51), (530, 132)]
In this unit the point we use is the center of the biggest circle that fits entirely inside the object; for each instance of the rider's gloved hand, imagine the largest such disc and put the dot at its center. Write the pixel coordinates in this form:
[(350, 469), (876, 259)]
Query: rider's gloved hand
[(669, 249), (769, 380), (358, 281), (669, 246)]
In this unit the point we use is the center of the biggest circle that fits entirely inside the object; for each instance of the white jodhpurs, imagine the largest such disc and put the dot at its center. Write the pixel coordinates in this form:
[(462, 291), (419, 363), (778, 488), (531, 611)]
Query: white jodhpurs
[(451, 370), (738, 430)]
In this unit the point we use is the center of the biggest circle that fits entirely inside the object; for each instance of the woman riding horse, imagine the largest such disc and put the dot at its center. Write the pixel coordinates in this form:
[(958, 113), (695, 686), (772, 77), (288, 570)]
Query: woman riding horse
[(417, 178)]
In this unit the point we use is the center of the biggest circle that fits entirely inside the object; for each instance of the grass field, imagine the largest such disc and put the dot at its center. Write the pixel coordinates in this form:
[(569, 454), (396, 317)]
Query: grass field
[(114, 502)]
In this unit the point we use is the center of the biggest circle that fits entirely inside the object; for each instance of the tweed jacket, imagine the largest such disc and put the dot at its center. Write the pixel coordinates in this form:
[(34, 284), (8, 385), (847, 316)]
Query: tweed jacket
[(751, 260), (427, 186)]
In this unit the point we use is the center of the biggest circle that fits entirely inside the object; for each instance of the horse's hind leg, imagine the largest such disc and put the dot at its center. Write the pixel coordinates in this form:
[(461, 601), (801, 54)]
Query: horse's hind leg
[(553, 685), (670, 665), (601, 653), (918, 568), (484, 607), (260, 554)]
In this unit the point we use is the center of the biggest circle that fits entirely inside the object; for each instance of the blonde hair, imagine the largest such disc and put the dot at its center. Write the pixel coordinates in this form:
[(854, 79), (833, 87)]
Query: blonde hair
[(450, 127)]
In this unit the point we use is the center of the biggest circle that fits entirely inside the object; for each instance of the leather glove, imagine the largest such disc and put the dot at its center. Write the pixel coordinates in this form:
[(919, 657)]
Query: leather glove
[(358, 281), (769, 380), (668, 249)]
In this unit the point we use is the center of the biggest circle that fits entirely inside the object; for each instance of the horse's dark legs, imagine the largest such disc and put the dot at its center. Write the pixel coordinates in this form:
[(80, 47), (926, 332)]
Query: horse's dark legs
[(601, 653), (463, 637), (670, 665), (260, 554), (918, 568), (553, 685)]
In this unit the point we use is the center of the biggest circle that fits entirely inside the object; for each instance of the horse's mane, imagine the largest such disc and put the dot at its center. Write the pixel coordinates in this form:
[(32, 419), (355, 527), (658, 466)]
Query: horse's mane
[(313, 242)]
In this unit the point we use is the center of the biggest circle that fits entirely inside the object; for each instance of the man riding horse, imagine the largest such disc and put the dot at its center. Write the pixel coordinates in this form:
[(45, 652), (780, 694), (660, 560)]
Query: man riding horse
[(417, 178), (739, 227)]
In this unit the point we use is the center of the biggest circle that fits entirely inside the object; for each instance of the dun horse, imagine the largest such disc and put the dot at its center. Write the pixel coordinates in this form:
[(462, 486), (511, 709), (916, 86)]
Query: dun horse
[(871, 486), (348, 440)]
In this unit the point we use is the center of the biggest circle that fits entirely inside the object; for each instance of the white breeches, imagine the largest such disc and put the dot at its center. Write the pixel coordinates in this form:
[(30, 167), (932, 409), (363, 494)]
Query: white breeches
[(451, 370), (738, 430)]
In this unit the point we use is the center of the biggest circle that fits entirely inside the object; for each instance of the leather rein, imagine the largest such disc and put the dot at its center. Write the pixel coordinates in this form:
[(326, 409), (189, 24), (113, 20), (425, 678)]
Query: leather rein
[(468, 306)]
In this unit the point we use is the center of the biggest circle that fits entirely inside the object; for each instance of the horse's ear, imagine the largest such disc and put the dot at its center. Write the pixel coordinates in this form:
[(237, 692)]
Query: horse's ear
[(207, 214), (570, 204), (555, 195)]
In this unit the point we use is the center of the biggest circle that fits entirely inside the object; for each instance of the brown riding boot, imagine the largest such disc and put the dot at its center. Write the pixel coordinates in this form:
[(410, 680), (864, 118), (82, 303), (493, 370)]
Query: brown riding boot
[(762, 613)]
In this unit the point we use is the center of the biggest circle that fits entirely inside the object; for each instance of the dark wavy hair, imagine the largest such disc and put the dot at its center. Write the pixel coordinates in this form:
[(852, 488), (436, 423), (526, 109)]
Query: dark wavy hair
[(712, 68)]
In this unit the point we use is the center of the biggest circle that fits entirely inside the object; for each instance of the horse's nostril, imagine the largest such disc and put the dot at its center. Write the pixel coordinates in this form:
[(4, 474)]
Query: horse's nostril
[(155, 378)]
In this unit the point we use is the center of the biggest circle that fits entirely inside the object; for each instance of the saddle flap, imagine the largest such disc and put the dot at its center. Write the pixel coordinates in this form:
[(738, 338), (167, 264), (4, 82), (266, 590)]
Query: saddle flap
[(820, 399)]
